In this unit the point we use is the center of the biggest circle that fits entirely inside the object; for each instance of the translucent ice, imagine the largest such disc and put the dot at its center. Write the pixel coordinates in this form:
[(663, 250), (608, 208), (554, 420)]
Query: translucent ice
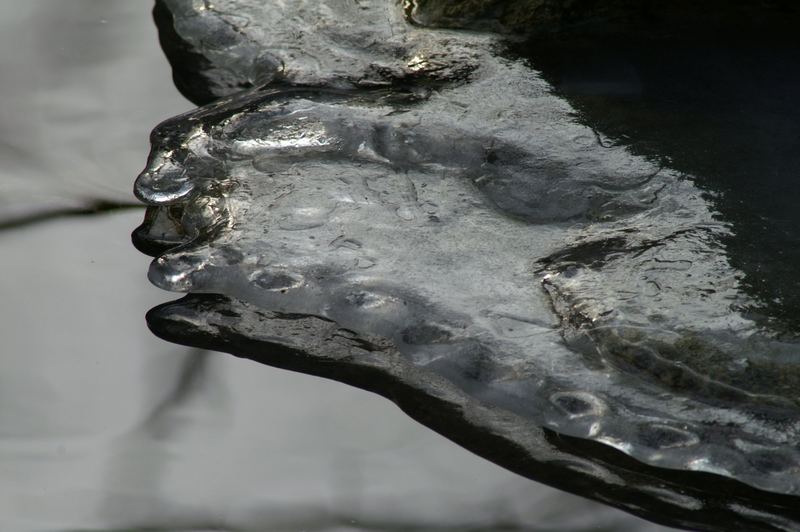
[(436, 227)]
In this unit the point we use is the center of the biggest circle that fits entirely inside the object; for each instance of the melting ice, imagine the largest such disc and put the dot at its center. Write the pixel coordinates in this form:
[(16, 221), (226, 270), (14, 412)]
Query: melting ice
[(415, 187)]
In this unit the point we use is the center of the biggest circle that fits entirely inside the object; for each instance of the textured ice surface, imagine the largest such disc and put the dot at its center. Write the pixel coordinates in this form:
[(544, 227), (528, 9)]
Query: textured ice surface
[(405, 210), (122, 428)]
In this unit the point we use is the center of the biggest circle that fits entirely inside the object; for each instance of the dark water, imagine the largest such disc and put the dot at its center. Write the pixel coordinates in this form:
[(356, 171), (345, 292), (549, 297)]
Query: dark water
[(104, 427), (723, 110)]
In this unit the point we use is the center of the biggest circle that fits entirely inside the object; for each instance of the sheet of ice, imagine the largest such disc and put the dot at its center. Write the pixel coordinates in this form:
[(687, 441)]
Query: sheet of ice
[(103, 427), (460, 244)]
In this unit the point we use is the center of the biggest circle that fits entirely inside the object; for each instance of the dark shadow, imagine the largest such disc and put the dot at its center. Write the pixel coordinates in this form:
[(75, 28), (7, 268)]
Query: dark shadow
[(191, 71), (142, 457), (92, 208)]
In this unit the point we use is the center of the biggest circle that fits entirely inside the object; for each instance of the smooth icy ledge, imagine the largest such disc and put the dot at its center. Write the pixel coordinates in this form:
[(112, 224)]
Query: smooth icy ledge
[(442, 232), (695, 500)]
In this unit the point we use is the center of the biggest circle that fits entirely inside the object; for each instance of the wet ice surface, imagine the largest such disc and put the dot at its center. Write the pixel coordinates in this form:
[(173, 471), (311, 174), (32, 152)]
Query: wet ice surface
[(104, 427), (725, 113), (445, 223)]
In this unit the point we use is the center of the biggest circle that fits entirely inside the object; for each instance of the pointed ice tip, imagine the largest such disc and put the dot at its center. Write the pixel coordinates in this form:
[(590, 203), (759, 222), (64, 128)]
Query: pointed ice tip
[(180, 270), (161, 189), (165, 276)]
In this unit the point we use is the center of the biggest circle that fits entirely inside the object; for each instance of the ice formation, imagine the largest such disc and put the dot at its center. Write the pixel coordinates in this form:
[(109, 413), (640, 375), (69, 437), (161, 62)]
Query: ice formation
[(407, 210)]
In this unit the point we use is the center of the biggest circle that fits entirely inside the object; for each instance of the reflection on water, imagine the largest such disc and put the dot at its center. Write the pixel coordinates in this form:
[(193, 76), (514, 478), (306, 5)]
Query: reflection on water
[(103, 427)]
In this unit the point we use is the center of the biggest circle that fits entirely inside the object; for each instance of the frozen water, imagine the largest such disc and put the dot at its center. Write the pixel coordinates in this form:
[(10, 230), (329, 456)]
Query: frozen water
[(406, 210)]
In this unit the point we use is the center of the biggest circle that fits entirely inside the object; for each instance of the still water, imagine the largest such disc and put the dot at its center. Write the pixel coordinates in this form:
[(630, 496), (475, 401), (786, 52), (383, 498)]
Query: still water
[(105, 427)]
